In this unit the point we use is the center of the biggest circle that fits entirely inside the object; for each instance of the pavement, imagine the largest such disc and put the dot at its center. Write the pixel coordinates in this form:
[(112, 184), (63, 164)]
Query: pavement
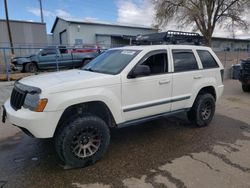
[(169, 152)]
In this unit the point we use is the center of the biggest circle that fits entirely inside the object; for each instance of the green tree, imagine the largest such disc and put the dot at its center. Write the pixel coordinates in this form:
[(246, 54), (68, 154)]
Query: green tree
[(203, 15)]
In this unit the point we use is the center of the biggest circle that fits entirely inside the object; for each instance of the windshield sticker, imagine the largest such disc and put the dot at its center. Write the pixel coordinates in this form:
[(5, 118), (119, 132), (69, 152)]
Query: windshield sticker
[(126, 52)]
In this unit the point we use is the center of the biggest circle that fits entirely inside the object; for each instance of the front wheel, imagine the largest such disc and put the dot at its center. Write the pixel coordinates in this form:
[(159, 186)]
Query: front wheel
[(30, 67), (82, 141), (202, 112)]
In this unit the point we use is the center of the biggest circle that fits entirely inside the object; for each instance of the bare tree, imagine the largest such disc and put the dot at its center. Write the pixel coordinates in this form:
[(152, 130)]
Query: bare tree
[(203, 15)]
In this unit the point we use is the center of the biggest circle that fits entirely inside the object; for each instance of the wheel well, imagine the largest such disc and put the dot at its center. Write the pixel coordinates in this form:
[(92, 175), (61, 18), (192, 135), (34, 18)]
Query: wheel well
[(35, 63), (208, 89), (97, 108)]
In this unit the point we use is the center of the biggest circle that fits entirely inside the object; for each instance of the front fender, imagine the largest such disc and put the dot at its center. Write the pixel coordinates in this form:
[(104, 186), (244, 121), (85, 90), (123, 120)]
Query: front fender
[(22, 61), (110, 96)]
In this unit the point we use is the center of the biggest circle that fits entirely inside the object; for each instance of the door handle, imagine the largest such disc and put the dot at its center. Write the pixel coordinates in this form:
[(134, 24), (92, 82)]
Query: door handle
[(164, 82), (197, 77)]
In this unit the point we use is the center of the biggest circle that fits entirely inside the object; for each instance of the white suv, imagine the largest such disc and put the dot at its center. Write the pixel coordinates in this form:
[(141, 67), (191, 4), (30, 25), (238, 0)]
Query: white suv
[(121, 87)]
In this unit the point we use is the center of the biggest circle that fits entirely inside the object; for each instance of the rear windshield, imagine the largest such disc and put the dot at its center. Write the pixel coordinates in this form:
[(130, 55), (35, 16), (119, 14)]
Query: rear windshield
[(111, 61)]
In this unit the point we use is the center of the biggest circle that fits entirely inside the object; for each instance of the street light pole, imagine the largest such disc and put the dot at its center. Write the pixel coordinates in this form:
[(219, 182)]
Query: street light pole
[(8, 25), (41, 10)]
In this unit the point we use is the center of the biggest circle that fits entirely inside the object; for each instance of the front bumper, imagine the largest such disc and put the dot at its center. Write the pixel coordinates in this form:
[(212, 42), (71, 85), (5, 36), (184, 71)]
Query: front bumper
[(39, 124), (16, 67)]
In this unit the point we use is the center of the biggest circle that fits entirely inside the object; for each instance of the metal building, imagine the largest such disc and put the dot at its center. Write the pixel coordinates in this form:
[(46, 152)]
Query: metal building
[(230, 44), (76, 32), (24, 33)]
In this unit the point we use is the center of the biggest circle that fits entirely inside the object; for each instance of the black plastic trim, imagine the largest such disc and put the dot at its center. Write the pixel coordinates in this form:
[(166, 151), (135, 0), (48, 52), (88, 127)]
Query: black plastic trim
[(155, 104)]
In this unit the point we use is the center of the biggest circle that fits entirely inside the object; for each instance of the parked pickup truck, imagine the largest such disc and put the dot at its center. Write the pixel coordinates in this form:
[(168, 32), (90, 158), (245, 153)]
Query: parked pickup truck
[(51, 58), (244, 76)]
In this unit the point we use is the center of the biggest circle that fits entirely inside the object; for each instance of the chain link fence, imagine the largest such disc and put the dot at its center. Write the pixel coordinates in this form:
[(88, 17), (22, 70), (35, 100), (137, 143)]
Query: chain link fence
[(228, 58)]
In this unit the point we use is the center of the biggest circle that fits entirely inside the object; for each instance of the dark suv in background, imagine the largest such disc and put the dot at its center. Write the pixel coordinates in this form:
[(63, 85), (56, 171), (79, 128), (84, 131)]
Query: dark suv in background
[(244, 76)]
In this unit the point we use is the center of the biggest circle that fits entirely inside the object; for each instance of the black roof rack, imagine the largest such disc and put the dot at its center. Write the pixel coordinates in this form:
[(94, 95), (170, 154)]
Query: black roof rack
[(170, 37)]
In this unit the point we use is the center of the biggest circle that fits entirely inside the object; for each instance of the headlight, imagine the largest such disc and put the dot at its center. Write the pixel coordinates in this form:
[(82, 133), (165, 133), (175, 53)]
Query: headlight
[(34, 103)]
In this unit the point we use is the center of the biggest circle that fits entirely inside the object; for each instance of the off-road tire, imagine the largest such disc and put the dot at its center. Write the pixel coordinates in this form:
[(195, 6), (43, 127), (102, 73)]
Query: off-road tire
[(245, 88), (197, 114), (70, 130), (30, 67)]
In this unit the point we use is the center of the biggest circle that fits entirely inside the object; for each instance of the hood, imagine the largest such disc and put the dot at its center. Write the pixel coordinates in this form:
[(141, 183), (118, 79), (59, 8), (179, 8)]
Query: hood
[(69, 80), (28, 56)]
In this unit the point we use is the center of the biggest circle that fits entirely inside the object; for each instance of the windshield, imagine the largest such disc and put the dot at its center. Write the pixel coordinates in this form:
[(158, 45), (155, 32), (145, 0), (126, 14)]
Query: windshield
[(111, 61)]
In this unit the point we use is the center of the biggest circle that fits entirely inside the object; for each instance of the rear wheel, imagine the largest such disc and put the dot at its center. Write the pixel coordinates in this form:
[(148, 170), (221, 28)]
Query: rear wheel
[(82, 141), (30, 67), (85, 62), (202, 112), (245, 88)]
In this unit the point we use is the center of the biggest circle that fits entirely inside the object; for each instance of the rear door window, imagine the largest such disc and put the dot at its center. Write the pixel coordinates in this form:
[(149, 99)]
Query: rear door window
[(207, 59), (184, 60)]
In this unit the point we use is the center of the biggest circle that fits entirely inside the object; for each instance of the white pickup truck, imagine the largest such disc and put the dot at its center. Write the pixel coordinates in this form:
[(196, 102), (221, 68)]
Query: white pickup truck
[(121, 87)]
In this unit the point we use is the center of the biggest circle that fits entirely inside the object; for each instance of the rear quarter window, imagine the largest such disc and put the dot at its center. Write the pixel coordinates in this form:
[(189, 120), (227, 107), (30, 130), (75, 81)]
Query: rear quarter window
[(207, 59), (184, 60)]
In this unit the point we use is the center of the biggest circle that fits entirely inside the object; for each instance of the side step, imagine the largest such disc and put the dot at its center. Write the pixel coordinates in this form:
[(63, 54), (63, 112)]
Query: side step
[(150, 118)]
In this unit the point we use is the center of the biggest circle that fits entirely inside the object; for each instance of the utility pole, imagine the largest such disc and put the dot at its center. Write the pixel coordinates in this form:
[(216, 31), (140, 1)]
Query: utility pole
[(8, 25), (41, 10)]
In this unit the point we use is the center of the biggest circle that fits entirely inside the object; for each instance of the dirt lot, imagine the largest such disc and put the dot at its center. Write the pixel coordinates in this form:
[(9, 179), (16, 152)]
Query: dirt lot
[(169, 152)]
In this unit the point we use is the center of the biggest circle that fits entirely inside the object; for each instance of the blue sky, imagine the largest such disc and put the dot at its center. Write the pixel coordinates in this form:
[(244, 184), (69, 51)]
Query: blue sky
[(105, 10)]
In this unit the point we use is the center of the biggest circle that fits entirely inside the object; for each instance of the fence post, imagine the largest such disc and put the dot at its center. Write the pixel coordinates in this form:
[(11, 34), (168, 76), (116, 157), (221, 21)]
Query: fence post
[(238, 56), (57, 67), (6, 65), (225, 58)]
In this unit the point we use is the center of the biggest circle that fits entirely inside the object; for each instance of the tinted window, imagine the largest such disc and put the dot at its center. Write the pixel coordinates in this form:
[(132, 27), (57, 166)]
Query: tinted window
[(111, 61), (207, 59), (184, 60), (157, 63), (49, 51)]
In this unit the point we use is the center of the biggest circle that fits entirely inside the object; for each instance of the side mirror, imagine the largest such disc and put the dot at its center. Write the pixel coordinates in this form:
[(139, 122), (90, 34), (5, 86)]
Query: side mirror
[(43, 53), (140, 70)]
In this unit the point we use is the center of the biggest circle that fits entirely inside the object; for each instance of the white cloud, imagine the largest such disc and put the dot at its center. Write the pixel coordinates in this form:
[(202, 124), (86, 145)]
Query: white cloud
[(140, 13), (90, 19), (47, 13), (63, 13), (36, 11)]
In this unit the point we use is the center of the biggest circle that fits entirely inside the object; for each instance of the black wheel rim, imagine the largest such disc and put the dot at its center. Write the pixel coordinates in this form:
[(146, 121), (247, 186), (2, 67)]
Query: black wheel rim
[(86, 142), (32, 68), (206, 110)]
